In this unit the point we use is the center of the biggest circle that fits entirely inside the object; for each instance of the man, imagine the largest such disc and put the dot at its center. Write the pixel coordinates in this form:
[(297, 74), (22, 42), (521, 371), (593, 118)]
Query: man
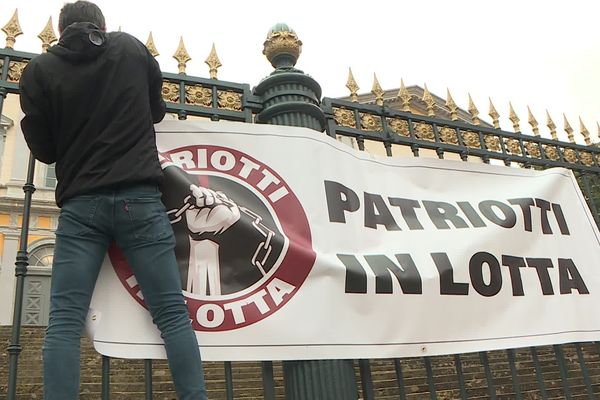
[(89, 106)]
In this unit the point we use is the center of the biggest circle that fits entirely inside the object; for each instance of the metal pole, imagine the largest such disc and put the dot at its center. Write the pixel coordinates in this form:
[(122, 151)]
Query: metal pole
[(14, 348)]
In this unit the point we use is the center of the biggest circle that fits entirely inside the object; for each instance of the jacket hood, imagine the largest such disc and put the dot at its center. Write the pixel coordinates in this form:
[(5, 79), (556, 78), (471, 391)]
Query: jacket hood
[(80, 42)]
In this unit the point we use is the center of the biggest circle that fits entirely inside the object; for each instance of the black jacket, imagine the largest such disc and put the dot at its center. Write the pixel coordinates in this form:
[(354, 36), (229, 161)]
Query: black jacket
[(89, 105)]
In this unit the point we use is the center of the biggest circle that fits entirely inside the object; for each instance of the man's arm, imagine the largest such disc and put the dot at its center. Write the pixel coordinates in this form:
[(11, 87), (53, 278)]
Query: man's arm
[(157, 104), (35, 123)]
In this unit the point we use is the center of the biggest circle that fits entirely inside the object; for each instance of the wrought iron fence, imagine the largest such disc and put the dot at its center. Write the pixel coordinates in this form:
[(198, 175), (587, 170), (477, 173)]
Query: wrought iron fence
[(551, 372)]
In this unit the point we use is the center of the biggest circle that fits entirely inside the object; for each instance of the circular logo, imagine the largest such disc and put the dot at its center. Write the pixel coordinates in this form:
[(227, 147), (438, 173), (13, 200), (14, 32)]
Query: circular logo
[(243, 242)]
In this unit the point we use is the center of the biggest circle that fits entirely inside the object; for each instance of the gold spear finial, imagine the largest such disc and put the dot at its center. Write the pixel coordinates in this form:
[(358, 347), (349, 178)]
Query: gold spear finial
[(598, 126), (404, 97), (473, 111), (550, 124), (584, 132), (47, 36), (151, 46), (494, 114), (429, 102), (512, 115), (213, 62), (182, 56), (12, 30), (352, 86), (377, 91), (451, 105), (533, 122), (568, 129)]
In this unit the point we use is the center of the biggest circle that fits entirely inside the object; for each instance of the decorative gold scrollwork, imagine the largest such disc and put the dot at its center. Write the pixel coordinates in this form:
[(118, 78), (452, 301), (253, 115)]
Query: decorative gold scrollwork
[(170, 92), (399, 126), (424, 132), (370, 122), (586, 158), (551, 153), (471, 139), (15, 70), (230, 100), (533, 149), (570, 155), (492, 142), (344, 117), (513, 147), (198, 96), (448, 135)]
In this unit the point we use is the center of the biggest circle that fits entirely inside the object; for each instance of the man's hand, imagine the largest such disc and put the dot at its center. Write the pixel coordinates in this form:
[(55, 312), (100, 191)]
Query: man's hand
[(210, 211)]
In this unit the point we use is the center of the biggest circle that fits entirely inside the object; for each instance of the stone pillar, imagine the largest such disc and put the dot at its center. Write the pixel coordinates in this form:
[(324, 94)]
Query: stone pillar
[(292, 98)]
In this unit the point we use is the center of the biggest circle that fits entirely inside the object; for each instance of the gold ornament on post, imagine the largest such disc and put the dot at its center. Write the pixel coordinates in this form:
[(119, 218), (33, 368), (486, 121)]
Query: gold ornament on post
[(47, 36), (352, 86), (182, 56), (584, 132), (213, 62), (568, 129), (404, 97), (282, 47), (12, 30), (473, 111), (377, 91), (512, 115), (533, 122), (494, 114), (550, 124), (451, 105), (151, 46), (428, 100)]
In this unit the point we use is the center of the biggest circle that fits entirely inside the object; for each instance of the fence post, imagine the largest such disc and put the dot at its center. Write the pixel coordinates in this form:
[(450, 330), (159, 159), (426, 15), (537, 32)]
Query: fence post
[(292, 98)]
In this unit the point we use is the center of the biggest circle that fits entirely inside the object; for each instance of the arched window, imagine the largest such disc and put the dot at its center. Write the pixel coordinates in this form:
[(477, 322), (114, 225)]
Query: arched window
[(42, 256)]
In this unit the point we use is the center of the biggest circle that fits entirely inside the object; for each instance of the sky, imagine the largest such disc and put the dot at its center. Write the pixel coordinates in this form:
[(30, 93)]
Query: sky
[(541, 54)]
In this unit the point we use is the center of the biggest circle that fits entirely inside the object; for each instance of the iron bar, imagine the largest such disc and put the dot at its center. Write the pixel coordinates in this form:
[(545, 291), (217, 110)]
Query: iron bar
[(430, 383), (14, 348), (228, 380), (148, 378), (400, 378), (366, 379), (488, 375), (564, 375), (584, 371), (538, 373), (461, 377), (513, 372), (268, 380), (105, 378)]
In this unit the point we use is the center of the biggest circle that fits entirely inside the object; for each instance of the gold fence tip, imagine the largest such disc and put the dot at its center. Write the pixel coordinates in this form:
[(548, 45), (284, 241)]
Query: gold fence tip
[(584, 132), (428, 100), (181, 56), (451, 105), (598, 131), (404, 97), (551, 125), (47, 36), (213, 62), (494, 114), (568, 129), (377, 91), (512, 115), (12, 30), (151, 46), (473, 111), (352, 86), (533, 122)]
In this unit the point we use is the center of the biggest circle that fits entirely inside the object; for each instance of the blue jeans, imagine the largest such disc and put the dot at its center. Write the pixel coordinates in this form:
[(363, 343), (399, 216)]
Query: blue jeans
[(135, 218)]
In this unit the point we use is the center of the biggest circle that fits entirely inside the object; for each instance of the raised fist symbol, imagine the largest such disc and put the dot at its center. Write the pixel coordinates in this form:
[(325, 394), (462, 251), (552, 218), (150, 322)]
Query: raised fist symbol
[(210, 211)]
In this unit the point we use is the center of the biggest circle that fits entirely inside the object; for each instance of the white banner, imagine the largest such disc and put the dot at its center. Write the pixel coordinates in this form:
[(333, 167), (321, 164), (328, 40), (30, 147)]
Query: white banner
[(292, 245)]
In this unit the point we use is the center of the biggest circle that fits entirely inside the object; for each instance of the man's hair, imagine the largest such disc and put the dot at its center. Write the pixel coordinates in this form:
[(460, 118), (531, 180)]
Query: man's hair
[(80, 11)]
